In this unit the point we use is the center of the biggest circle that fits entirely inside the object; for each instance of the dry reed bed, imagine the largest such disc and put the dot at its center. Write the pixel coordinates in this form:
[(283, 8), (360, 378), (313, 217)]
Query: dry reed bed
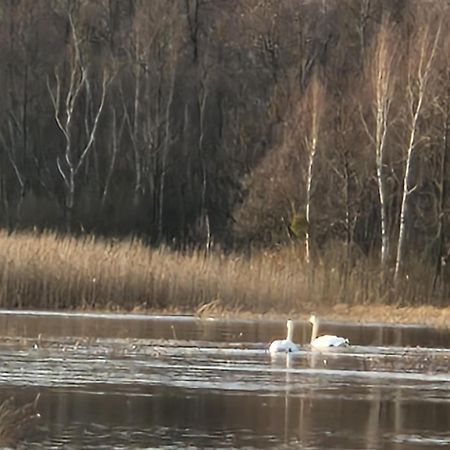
[(48, 271)]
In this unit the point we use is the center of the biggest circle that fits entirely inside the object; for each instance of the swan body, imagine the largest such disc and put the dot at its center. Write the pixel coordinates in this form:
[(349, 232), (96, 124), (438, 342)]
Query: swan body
[(327, 340), (285, 345)]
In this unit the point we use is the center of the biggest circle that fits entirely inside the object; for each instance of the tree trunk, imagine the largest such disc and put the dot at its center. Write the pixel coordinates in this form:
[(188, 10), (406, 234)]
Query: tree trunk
[(382, 79), (443, 188), (315, 109), (417, 89), (165, 152)]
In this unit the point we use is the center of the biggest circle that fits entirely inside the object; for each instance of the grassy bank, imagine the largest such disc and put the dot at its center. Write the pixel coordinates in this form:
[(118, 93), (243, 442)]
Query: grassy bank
[(48, 271)]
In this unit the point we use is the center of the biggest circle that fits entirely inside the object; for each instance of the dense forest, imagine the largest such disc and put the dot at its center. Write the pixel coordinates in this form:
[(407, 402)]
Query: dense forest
[(230, 122)]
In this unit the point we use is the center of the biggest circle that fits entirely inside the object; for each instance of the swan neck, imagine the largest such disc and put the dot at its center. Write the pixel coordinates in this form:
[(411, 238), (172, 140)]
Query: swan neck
[(315, 330), (290, 331)]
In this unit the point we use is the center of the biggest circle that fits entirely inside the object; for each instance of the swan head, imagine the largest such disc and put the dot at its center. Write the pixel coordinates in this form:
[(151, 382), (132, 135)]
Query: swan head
[(313, 319)]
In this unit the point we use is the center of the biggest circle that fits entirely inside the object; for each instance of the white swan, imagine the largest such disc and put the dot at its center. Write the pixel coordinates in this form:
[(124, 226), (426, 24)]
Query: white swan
[(285, 345), (326, 340)]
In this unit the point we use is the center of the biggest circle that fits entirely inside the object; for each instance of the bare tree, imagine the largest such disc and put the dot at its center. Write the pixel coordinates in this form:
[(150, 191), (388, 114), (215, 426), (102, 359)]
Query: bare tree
[(142, 139), (382, 78), (14, 137), (152, 72), (349, 163), (117, 131), (315, 100), (172, 64), (442, 105), (419, 74), (442, 184), (13, 145), (66, 101)]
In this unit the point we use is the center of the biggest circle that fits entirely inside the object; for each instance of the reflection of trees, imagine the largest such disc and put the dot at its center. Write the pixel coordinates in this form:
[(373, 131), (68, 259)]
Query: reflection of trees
[(398, 412), (304, 423), (373, 433), (373, 418)]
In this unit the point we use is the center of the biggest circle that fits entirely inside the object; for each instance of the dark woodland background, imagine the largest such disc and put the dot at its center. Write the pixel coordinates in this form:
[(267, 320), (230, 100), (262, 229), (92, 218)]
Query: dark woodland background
[(188, 121)]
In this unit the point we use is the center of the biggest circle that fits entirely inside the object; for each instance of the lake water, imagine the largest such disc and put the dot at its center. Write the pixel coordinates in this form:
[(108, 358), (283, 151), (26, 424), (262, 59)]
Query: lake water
[(130, 381)]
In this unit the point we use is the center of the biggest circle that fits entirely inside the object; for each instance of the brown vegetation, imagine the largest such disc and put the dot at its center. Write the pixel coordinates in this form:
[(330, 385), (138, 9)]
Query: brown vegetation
[(49, 271), (240, 124)]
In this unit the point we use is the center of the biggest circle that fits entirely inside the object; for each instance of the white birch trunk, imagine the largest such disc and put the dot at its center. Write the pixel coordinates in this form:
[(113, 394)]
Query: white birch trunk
[(312, 156), (70, 165), (383, 84), (317, 102), (383, 102), (417, 89)]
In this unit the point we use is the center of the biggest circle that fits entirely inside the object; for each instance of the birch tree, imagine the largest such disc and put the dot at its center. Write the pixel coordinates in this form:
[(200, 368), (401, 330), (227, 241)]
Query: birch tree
[(382, 79), (315, 99), (148, 111), (66, 100), (140, 105), (419, 74)]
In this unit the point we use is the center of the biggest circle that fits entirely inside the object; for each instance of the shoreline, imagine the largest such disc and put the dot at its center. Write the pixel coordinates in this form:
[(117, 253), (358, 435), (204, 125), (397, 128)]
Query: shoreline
[(420, 316), (370, 315), (424, 315)]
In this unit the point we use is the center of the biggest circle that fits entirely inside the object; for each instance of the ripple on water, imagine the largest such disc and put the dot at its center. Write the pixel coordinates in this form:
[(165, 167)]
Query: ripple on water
[(100, 392)]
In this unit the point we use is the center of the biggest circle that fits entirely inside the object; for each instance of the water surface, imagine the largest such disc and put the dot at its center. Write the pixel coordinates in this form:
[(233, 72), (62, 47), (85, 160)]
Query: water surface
[(133, 381)]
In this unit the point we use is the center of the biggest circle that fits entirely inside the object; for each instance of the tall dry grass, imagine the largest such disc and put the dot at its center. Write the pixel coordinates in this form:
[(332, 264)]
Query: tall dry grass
[(48, 271)]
